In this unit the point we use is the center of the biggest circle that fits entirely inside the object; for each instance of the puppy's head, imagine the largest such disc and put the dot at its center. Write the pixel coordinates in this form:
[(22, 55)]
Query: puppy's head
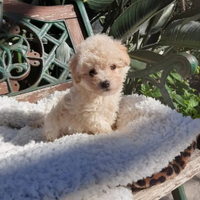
[(100, 65)]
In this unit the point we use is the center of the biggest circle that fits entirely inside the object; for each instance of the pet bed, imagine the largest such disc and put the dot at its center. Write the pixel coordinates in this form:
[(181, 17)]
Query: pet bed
[(87, 167)]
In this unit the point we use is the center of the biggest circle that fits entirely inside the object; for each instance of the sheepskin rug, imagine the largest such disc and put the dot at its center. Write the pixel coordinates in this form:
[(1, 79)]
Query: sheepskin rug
[(87, 167)]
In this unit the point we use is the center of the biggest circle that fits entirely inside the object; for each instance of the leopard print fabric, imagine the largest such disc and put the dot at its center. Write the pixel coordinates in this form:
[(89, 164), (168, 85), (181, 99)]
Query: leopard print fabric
[(172, 170)]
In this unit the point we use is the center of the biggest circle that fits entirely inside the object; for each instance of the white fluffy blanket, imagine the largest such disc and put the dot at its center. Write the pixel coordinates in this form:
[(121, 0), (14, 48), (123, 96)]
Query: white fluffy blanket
[(87, 167)]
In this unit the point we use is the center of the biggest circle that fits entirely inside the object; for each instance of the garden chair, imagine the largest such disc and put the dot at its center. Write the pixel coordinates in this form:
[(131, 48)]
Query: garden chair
[(36, 35)]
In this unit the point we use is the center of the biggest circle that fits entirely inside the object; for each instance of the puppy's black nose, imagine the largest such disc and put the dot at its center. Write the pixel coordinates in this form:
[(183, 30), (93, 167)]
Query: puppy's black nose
[(105, 84)]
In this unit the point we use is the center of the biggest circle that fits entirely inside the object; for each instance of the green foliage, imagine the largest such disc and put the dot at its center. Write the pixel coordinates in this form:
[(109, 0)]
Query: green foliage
[(150, 91), (183, 96), (180, 34), (187, 103), (127, 24)]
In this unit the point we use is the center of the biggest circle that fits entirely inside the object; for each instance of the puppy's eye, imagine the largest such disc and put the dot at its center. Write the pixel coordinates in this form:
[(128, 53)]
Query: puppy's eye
[(92, 72), (113, 67)]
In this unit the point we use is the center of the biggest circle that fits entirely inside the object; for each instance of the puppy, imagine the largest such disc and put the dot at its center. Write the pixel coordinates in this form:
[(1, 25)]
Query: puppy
[(98, 70)]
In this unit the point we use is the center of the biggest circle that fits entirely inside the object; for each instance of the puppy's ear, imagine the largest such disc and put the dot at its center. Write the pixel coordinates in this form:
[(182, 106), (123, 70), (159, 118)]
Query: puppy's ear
[(124, 55), (73, 65)]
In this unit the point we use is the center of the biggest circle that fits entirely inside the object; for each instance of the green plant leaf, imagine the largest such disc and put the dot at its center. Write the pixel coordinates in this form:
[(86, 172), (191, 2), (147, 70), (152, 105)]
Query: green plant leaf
[(156, 93), (170, 80), (180, 86), (145, 88), (133, 1), (193, 103), (189, 19), (149, 57), (97, 5), (136, 15), (179, 100), (182, 36), (176, 76), (161, 19), (137, 65)]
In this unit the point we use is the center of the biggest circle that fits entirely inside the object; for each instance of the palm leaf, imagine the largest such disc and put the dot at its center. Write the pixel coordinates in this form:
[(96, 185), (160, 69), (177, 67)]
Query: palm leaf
[(137, 65), (161, 19), (149, 57), (97, 5), (177, 34), (135, 15)]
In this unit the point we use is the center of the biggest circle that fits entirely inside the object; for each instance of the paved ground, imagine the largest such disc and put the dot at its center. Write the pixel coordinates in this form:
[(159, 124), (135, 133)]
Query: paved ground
[(192, 189)]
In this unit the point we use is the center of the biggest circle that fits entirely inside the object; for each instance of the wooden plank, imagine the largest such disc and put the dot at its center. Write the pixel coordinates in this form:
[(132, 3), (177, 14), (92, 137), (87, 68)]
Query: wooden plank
[(34, 96), (3, 88), (75, 31), (47, 13), (157, 192)]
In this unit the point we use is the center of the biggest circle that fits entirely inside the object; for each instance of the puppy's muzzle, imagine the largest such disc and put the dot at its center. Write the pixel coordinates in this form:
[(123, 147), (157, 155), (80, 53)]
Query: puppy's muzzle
[(105, 85)]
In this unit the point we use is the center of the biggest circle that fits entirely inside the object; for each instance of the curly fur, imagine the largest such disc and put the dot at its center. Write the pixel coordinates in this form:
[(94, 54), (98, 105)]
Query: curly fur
[(98, 70)]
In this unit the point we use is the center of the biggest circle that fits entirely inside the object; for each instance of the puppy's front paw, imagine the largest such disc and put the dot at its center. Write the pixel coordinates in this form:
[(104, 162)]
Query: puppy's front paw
[(50, 133), (103, 128), (50, 136)]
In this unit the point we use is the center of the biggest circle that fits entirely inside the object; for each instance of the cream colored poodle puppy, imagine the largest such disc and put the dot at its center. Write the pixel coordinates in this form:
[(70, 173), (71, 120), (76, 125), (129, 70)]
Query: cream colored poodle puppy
[(98, 70)]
